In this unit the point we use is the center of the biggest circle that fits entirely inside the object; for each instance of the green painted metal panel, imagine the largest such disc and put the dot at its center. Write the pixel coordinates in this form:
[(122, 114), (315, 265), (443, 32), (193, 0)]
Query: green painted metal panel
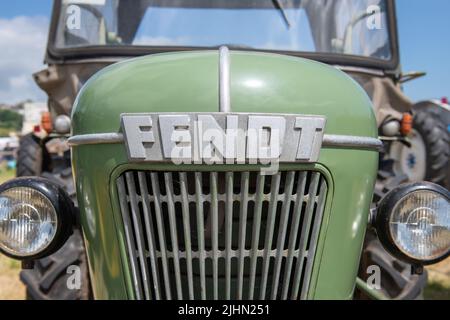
[(160, 83), (188, 82), (268, 83)]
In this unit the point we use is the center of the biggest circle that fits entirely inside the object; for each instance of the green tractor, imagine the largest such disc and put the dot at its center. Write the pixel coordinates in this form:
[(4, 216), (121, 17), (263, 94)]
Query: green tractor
[(222, 150)]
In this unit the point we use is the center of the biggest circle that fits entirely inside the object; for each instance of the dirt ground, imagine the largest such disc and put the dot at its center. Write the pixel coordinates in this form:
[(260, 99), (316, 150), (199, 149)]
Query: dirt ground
[(12, 289)]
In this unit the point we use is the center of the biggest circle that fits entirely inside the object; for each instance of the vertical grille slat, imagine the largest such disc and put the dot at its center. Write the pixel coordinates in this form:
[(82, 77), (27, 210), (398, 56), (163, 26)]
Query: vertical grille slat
[(150, 230), (294, 231), (255, 233), (187, 234), (242, 231), (315, 232), (282, 234), (173, 232), (229, 231), (129, 235), (161, 234), (305, 233), (200, 233), (269, 233), (215, 233), (137, 224), (221, 235)]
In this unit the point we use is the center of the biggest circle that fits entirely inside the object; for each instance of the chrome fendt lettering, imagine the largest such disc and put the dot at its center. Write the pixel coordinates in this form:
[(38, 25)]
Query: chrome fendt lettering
[(223, 138)]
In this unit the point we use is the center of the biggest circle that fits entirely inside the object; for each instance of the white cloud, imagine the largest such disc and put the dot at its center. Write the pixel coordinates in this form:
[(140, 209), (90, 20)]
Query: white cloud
[(22, 48)]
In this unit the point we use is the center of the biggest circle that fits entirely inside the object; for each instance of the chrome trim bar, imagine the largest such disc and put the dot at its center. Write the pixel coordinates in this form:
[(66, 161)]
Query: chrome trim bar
[(224, 80), (351, 142), (329, 141), (96, 138), (368, 71)]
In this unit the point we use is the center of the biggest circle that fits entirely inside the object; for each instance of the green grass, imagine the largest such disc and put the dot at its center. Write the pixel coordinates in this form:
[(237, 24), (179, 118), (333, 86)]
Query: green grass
[(4, 132), (6, 174), (438, 281), (10, 286), (437, 291)]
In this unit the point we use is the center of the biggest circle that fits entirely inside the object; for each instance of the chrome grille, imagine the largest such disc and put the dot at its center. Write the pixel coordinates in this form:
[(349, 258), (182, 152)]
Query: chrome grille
[(221, 235)]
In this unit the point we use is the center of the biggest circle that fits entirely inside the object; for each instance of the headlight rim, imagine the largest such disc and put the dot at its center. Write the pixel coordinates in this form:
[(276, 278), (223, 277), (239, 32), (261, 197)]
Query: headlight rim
[(64, 209), (384, 213)]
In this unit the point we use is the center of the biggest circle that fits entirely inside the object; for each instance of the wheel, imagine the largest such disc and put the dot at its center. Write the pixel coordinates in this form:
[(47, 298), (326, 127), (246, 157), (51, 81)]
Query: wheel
[(65, 180), (30, 156), (49, 278), (428, 159), (396, 280)]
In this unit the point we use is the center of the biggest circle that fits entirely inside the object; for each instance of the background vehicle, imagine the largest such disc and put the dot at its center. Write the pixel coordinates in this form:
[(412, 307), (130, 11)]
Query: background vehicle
[(76, 54), (429, 154)]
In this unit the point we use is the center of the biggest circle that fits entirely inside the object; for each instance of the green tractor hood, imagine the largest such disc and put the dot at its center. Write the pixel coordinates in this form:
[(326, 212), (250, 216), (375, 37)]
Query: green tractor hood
[(189, 82), (259, 83)]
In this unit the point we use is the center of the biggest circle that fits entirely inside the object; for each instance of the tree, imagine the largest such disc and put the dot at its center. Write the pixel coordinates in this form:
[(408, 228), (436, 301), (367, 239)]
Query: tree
[(10, 121)]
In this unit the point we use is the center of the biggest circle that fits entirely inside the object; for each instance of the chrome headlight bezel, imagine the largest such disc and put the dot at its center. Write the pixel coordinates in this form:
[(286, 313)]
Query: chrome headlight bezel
[(64, 209), (385, 211)]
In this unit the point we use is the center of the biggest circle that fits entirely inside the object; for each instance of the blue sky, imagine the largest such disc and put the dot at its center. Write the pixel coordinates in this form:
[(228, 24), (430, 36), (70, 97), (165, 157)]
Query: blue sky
[(424, 30), (10, 9)]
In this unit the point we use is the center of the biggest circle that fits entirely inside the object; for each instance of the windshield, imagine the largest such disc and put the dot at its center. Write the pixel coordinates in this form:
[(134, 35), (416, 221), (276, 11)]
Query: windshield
[(352, 27)]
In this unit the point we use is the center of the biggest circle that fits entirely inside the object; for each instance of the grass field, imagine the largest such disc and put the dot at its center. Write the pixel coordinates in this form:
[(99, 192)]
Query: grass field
[(5, 174), (438, 281), (12, 289), (10, 286)]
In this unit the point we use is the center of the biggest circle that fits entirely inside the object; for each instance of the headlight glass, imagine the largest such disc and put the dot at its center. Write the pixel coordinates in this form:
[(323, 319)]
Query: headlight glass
[(28, 221), (420, 225)]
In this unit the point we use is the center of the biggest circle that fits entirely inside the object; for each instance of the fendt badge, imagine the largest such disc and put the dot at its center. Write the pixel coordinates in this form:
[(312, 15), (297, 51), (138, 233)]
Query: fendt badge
[(197, 138)]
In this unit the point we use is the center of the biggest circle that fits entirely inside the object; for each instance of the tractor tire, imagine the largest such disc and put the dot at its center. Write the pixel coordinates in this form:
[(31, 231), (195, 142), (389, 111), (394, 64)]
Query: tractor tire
[(396, 280), (64, 180), (437, 142), (49, 278), (428, 159), (30, 156)]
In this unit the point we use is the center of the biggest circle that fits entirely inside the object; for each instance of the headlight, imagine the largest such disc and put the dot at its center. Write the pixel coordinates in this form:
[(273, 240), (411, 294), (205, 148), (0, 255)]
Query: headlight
[(36, 218), (413, 223)]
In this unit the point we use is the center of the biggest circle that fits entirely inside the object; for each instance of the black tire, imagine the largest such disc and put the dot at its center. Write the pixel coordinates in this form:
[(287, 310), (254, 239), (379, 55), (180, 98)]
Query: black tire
[(65, 180), (30, 156), (397, 282), (386, 181), (48, 279), (437, 142)]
